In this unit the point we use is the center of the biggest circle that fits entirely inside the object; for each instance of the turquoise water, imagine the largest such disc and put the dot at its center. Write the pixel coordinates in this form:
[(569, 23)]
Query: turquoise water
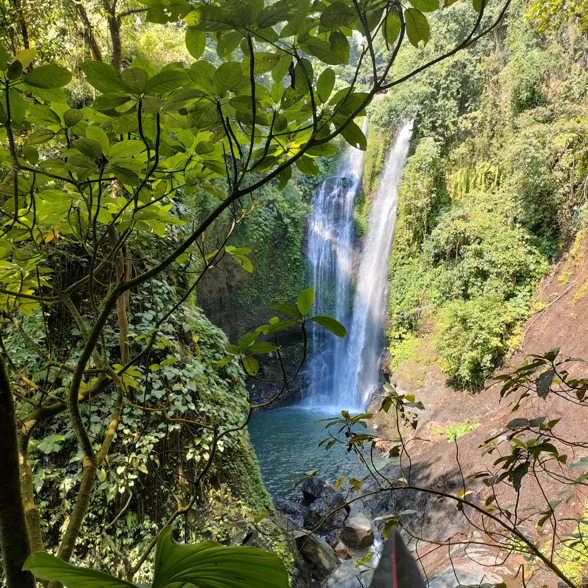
[(286, 443)]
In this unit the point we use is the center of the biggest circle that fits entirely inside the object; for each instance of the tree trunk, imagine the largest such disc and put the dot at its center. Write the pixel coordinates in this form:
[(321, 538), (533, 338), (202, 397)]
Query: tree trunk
[(89, 32), (13, 534)]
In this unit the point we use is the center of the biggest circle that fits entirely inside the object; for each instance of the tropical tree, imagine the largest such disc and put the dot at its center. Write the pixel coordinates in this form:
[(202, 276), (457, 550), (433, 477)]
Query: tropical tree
[(94, 220)]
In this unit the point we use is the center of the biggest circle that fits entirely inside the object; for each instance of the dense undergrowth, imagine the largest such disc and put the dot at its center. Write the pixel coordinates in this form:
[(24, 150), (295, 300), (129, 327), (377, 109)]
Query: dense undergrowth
[(493, 189)]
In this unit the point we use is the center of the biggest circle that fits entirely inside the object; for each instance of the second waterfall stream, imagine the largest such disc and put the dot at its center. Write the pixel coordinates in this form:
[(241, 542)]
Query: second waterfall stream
[(344, 374)]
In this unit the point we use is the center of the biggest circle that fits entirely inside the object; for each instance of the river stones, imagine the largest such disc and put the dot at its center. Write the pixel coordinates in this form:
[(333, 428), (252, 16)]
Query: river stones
[(358, 531), (348, 576), (320, 554)]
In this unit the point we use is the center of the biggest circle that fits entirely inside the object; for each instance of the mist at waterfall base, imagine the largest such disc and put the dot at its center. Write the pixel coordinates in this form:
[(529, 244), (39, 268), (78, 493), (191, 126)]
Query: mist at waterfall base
[(342, 374)]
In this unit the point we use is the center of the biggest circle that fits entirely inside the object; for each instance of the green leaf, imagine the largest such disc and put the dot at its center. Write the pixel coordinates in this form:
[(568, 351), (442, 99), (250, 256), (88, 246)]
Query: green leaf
[(417, 26), (25, 57), (261, 347), (49, 567), (284, 178), (251, 365), (181, 99), (48, 76), (281, 68), (98, 135), (322, 50), (166, 81), (338, 15), (288, 309), (228, 42), (354, 136), (3, 58), (393, 26), (18, 107), (205, 17), (425, 5), (331, 324), (39, 136), (212, 565), (479, 4), (227, 77), (307, 166), (145, 64), (278, 12), (135, 79), (544, 382), (89, 148), (339, 45), (102, 76), (325, 84), (72, 117), (305, 300), (195, 42), (15, 70)]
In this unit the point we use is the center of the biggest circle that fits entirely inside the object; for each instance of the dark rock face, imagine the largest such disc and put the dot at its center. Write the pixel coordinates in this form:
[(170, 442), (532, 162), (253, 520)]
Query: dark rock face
[(293, 511)]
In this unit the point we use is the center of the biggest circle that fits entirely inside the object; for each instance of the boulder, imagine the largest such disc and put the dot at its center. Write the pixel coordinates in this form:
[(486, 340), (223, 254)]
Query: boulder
[(358, 531), (293, 511), (348, 576), (319, 553)]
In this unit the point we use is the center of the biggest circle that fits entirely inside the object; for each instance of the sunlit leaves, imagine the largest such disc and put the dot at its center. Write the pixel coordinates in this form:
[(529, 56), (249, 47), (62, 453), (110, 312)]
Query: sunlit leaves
[(417, 26), (332, 325), (195, 41), (208, 18), (392, 26), (425, 5), (48, 76), (325, 84), (102, 76)]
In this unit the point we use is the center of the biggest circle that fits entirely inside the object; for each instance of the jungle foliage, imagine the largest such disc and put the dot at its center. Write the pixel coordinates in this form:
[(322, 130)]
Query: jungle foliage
[(494, 187), (121, 186)]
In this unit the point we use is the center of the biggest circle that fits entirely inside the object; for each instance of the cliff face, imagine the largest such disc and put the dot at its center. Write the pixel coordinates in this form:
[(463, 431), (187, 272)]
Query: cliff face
[(561, 320)]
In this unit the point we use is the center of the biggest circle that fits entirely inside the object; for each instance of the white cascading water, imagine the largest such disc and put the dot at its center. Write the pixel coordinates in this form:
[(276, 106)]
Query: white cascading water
[(330, 251), (346, 373)]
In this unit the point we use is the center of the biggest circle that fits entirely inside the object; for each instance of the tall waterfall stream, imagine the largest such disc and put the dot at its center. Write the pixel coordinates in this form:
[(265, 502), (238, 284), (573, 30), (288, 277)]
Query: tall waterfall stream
[(342, 374)]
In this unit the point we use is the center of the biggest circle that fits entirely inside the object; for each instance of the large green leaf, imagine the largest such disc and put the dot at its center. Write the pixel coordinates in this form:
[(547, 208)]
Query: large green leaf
[(331, 324), (135, 79), (305, 300), (210, 565), (325, 84), (48, 76), (166, 81), (278, 12), (208, 18), (393, 25), (425, 5), (417, 26), (338, 15), (49, 567), (195, 41), (227, 77), (354, 136), (102, 76), (322, 50)]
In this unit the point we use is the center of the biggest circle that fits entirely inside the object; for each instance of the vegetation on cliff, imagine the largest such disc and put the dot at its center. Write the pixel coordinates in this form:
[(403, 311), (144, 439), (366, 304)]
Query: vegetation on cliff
[(494, 188)]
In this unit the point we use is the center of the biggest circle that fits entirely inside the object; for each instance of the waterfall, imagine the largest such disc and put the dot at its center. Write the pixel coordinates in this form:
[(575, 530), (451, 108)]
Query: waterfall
[(358, 375), (346, 373), (330, 252)]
